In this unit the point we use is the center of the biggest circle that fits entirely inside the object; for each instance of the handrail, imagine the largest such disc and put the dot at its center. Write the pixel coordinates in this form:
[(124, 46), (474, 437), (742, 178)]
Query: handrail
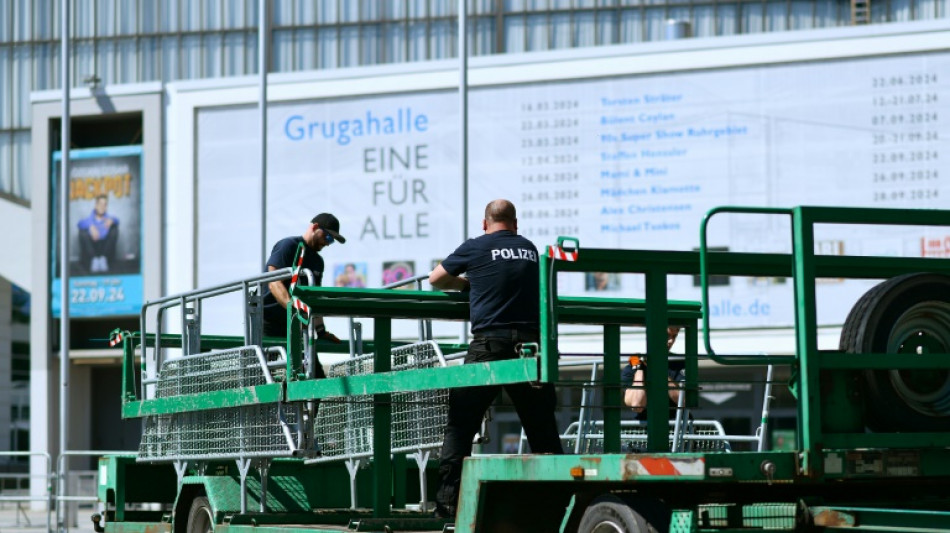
[(704, 279), (425, 325), (810, 216), (61, 492), (197, 295), (417, 279)]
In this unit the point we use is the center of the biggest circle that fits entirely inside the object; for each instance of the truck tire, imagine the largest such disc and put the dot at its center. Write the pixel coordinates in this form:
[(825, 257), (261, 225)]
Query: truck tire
[(907, 314), (610, 514), (200, 517)]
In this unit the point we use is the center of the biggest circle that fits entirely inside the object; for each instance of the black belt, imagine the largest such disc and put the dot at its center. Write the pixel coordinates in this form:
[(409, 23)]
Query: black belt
[(515, 334)]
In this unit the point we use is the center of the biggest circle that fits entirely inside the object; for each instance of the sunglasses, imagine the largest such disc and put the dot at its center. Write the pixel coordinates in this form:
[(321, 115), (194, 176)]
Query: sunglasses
[(329, 238)]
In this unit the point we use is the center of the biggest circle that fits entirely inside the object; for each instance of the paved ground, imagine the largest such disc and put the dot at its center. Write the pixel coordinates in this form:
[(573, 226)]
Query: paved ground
[(16, 516)]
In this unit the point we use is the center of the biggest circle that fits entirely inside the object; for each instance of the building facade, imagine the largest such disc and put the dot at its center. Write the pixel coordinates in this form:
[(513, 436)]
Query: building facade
[(140, 41), (164, 74)]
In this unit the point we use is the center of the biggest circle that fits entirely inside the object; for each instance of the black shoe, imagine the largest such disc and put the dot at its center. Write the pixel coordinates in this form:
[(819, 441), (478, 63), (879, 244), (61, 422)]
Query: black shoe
[(446, 512)]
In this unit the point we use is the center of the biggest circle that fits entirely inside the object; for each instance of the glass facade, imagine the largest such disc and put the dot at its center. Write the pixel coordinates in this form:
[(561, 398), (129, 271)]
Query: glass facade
[(129, 41)]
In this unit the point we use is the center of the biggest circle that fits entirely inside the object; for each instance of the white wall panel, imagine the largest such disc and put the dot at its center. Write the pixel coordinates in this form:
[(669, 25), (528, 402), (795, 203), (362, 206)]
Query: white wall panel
[(732, 133)]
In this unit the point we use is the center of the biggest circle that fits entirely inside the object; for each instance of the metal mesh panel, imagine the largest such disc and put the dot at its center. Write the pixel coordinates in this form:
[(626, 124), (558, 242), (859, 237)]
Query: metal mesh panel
[(633, 437), (769, 515), (756, 516), (245, 431), (217, 371), (344, 427)]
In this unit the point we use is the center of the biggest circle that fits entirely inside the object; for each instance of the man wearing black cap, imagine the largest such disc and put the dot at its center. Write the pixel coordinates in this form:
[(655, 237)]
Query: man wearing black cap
[(324, 230)]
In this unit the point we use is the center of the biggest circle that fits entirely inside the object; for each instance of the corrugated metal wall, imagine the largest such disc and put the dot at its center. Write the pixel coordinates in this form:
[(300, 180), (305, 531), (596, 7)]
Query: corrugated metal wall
[(127, 41)]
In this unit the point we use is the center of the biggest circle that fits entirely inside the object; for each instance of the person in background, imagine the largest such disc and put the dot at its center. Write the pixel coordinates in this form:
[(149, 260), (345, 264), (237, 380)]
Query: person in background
[(98, 234), (324, 230), (634, 378), (350, 277)]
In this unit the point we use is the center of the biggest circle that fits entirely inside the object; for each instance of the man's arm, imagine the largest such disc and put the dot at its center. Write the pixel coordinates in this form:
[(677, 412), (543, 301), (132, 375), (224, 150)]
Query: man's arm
[(636, 398), (442, 280), (283, 298), (675, 389), (278, 290)]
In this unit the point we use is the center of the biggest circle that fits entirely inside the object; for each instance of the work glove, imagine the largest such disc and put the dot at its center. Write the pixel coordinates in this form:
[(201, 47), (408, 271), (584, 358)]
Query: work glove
[(325, 335)]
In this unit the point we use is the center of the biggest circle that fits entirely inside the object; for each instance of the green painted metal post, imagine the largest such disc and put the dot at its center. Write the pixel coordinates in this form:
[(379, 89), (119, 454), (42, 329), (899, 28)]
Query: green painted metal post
[(400, 469), (128, 366), (612, 390), (120, 482), (548, 295), (809, 419), (658, 415), (692, 366), (295, 342), (382, 421)]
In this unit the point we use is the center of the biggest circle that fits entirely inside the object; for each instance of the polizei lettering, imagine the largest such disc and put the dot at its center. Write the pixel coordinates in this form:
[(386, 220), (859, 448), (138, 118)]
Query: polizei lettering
[(514, 253)]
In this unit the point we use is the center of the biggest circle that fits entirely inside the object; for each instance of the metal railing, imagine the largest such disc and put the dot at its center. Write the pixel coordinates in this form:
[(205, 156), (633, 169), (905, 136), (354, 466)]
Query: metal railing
[(425, 325), (686, 434), (190, 302), (269, 430), (344, 428), (20, 499), (63, 498)]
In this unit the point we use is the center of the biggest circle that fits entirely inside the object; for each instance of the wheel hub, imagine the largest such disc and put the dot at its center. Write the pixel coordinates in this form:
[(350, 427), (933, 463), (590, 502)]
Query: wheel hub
[(922, 329)]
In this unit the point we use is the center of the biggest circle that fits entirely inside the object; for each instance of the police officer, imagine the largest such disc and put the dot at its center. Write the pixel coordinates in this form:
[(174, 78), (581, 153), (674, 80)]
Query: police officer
[(502, 269)]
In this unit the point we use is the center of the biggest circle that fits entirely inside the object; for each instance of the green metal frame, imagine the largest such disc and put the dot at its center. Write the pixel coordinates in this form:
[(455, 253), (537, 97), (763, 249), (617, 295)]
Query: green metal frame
[(817, 444), (805, 268)]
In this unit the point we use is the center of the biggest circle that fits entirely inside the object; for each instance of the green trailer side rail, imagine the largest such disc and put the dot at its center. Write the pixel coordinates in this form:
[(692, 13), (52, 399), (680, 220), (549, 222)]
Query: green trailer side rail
[(806, 268)]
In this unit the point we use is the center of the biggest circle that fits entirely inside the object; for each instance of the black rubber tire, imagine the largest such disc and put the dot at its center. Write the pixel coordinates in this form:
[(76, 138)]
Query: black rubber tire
[(200, 516), (610, 514), (903, 315)]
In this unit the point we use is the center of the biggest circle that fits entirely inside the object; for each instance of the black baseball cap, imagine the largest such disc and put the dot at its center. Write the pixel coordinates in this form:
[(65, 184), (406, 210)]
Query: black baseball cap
[(330, 224)]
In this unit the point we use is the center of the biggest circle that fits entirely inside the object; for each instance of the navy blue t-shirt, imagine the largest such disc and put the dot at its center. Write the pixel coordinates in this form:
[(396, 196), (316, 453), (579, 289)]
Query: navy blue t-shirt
[(282, 256), (502, 268)]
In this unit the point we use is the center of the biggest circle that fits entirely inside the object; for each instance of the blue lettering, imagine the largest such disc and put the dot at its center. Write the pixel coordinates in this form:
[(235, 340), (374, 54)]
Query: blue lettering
[(296, 133), (402, 121)]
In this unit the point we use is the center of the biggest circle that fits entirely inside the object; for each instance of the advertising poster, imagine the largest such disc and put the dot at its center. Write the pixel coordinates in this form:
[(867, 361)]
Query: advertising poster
[(105, 232), (636, 162), (385, 166), (351, 275), (630, 162)]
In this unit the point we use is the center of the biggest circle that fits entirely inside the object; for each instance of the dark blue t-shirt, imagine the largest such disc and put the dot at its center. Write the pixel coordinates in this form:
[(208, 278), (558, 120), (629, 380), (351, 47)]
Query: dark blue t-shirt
[(282, 256), (503, 270)]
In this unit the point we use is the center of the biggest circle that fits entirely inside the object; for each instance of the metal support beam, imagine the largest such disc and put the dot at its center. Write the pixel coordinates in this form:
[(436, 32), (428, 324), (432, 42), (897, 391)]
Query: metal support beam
[(382, 422), (612, 392), (64, 249)]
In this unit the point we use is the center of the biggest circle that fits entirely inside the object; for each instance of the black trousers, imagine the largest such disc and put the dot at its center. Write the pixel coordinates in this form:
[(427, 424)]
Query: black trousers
[(89, 248), (467, 406)]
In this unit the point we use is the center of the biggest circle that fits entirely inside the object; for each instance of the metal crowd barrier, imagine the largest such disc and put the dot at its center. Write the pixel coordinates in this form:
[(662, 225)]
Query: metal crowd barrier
[(190, 307), (586, 435), (267, 430), (697, 436), (20, 499), (343, 427)]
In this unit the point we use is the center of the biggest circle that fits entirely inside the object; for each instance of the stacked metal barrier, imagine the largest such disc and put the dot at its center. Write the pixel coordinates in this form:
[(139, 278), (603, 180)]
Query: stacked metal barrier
[(261, 430), (344, 427), (698, 436)]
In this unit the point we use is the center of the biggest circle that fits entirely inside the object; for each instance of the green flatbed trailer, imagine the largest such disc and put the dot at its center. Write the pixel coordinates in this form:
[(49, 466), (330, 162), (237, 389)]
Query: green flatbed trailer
[(873, 438)]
